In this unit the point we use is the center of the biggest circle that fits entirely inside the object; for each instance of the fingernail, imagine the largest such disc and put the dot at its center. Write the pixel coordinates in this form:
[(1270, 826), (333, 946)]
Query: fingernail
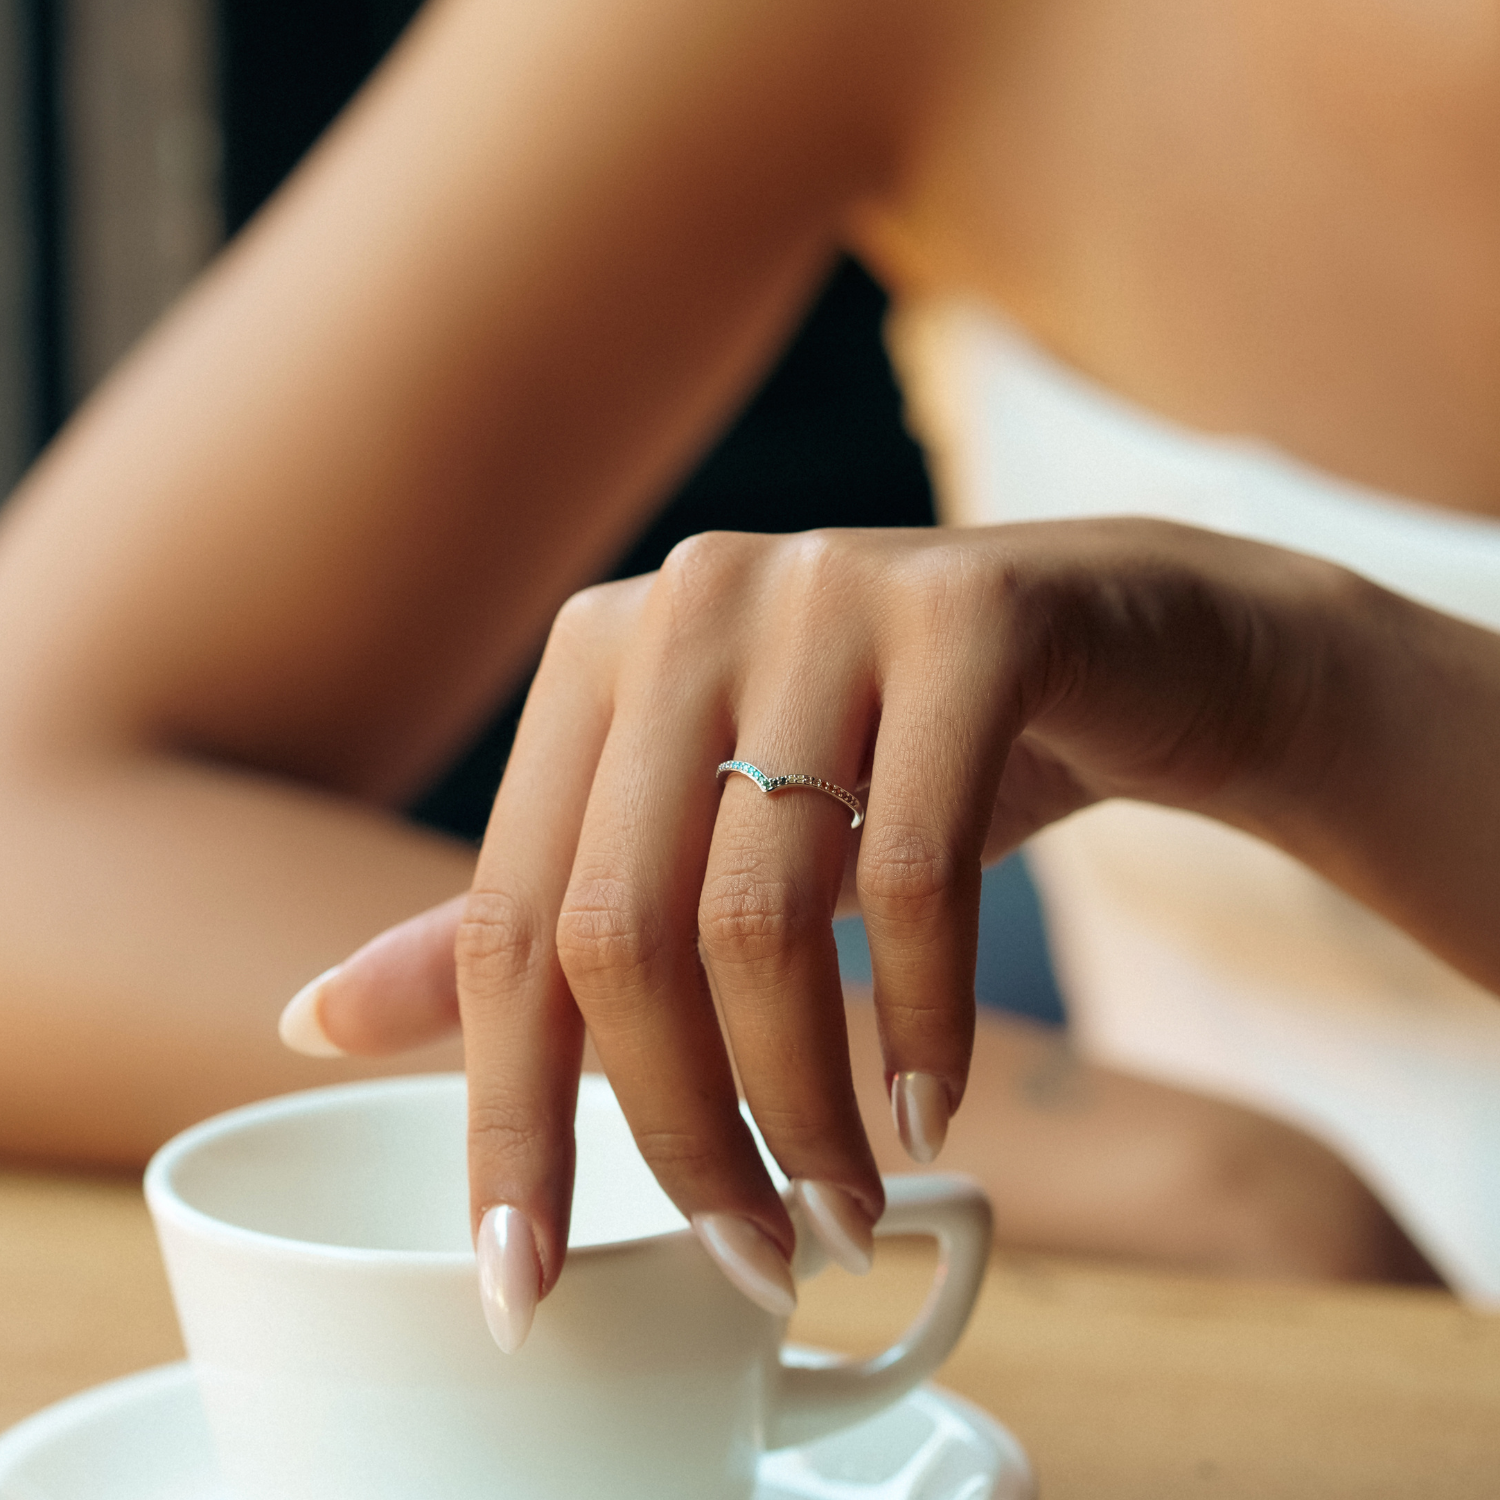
[(751, 1260), (301, 1023), (919, 1103), (842, 1226), (510, 1275)]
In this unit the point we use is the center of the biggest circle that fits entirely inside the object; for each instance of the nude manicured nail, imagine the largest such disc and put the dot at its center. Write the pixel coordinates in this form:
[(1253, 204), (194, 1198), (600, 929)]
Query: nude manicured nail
[(301, 1023), (510, 1275), (919, 1103), (842, 1226), (751, 1260)]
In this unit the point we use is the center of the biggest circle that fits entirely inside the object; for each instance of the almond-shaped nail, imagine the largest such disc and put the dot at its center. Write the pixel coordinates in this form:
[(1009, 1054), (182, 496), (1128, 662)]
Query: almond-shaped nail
[(751, 1260), (842, 1226), (919, 1103), (301, 1023), (510, 1275)]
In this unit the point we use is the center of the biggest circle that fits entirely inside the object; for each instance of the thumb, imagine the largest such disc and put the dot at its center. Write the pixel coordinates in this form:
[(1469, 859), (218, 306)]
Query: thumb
[(398, 991)]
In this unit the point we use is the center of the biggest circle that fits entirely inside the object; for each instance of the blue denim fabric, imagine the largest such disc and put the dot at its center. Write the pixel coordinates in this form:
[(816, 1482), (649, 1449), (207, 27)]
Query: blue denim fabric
[(1014, 972)]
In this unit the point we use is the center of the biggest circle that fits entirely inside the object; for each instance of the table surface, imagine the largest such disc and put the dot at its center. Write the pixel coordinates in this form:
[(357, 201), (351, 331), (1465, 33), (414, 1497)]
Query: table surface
[(1123, 1384)]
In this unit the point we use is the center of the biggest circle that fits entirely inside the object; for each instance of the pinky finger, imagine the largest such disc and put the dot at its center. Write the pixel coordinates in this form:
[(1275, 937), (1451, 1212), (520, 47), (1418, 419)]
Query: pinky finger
[(397, 992)]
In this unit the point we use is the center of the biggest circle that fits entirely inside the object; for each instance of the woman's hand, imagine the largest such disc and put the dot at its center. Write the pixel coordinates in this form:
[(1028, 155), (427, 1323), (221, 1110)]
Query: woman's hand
[(979, 685)]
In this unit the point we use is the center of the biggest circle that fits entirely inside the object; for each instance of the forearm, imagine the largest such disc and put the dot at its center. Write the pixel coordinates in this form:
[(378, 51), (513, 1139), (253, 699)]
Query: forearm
[(1391, 790), (155, 915), (320, 520)]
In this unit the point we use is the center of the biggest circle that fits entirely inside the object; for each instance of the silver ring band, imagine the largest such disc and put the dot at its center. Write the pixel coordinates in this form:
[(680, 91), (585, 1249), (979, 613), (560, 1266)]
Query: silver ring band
[(769, 784)]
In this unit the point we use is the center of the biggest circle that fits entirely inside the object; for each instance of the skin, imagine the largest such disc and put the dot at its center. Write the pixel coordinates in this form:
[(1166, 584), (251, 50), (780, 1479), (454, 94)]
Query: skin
[(982, 684), (397, 512), (265, 586)]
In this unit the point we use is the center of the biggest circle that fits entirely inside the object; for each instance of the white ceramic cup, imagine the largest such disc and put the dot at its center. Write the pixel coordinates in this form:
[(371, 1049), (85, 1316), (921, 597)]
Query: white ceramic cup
[(319, 1253)]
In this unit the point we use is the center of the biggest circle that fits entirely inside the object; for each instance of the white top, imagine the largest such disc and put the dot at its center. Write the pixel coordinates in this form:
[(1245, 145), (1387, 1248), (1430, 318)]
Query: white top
[(1188, 951)]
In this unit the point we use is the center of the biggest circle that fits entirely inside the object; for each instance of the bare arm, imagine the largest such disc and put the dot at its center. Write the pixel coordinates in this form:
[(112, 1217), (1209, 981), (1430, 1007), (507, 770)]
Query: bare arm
[(319, 522), (1404, 811)]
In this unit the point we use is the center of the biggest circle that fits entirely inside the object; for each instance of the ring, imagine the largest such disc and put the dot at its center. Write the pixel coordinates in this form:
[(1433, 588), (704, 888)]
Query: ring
[(769, 784)]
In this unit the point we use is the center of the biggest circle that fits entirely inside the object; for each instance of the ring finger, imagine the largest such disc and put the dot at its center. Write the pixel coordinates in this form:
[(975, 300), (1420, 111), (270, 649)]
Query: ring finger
[(774, 871)]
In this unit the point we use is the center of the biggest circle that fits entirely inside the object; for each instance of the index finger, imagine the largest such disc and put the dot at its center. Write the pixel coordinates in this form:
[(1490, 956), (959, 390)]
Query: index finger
[(523, 1035)]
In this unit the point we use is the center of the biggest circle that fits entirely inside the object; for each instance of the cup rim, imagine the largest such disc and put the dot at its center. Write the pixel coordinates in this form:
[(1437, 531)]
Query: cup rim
[(167, 1205)]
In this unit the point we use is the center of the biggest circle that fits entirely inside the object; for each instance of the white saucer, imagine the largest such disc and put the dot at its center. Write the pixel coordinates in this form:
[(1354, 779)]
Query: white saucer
[(145, 1438)]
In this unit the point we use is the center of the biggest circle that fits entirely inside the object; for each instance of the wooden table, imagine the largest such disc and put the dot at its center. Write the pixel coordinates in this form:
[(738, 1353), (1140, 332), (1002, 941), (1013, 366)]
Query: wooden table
[(1123, 1384)]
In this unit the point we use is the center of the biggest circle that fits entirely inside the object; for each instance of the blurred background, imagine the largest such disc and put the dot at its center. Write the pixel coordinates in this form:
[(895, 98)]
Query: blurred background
[(137, 135)]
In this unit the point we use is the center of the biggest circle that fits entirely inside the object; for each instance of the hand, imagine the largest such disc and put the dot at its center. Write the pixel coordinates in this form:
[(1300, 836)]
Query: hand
[(981, 684)]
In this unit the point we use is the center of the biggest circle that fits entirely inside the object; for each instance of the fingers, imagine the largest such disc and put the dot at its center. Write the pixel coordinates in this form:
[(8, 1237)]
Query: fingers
[(523, 1036), (937, 766), (628, 944), (398, 991), (774, 871), (614, 858), (666, 860)]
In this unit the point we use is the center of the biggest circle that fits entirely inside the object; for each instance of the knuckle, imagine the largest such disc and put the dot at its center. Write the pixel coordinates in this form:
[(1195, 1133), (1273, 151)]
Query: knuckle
[(937, 1027), (602, 933), (586, 613), (810, 1131), (699, 568), (949, 594), (916, 1015), (819, 552), (591, 628), (691, 599), (506, 1131), (499, 940), (819, 567), (906, 877), (678, 1155), (746, 915)]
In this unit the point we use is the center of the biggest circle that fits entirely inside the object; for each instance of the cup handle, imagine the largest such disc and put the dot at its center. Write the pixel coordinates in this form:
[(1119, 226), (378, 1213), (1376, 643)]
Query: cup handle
[(814, 1400)]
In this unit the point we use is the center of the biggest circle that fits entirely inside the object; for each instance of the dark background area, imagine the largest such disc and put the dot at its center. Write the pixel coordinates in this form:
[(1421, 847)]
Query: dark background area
[(36, 35), (821, 444)]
